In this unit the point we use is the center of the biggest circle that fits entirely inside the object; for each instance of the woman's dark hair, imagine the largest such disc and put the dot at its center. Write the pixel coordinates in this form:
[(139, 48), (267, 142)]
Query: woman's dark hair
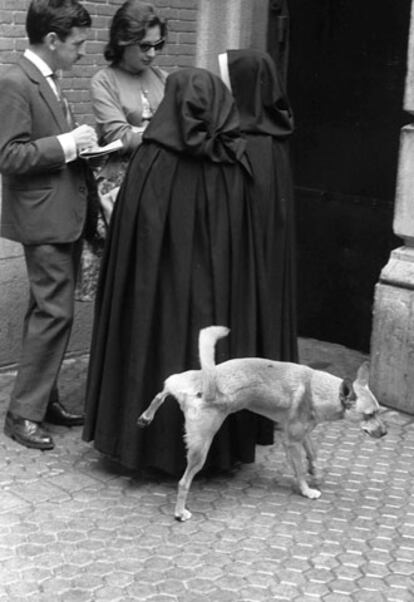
[(129, 25), (58, 16)]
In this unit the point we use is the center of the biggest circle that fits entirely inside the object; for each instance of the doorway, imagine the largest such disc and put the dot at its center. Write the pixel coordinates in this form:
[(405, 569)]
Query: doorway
[(345, 80)]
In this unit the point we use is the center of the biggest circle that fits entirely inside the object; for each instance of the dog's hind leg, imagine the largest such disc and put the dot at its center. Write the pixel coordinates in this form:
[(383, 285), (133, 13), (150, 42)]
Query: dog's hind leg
[(200, 430), (294, 454), (147, 417), (195, 462)]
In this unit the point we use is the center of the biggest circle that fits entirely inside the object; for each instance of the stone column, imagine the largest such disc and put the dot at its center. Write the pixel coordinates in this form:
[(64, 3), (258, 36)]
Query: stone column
[(229, 25), (392, 342)]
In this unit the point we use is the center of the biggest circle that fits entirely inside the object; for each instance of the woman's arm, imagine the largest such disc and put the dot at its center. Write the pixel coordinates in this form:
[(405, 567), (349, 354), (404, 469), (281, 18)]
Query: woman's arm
[(111, 120)]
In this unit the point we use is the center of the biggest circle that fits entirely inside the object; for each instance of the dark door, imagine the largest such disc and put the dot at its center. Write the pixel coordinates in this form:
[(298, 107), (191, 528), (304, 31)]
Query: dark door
[(347, 63)]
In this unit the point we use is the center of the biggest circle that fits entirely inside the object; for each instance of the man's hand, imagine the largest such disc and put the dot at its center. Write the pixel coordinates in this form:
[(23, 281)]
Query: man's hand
[(85, 137)]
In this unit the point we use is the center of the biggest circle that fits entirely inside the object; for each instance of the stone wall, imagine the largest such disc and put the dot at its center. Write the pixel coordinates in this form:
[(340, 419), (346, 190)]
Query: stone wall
[(229, 25), (392, 342)]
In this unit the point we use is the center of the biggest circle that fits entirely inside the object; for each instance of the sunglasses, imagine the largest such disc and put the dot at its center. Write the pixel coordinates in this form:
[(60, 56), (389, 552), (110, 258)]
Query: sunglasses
[(146, 46)]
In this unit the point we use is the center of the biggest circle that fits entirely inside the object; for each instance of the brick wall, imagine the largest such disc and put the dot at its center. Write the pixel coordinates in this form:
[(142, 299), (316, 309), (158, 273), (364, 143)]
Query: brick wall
[(180, 50)]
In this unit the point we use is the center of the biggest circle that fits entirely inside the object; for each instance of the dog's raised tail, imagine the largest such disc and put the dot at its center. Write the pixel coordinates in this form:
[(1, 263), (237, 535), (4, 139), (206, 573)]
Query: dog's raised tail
[(207, 340)]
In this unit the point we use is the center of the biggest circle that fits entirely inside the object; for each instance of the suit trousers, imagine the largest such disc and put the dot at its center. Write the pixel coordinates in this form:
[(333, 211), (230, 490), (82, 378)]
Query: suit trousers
[(51, 270)]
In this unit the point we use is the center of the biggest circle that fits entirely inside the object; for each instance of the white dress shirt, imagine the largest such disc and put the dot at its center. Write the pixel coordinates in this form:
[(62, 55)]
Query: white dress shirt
[(67, 140)]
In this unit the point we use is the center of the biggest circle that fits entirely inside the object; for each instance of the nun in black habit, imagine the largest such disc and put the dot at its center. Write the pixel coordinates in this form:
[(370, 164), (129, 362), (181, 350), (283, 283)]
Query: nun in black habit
[(180, 255), (266, 121)]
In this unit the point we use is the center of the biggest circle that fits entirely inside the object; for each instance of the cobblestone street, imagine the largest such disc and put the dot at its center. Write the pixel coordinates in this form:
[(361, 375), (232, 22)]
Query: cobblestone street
[(75, 528)]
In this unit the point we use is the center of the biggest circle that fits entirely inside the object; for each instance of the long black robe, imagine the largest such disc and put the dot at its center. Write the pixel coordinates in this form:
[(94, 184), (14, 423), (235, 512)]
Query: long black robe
[(266, 120), (180, 256)]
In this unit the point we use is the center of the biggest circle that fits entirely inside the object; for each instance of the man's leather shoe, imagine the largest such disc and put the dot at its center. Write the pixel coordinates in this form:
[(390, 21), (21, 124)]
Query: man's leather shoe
[(27, 432), (57, 414)]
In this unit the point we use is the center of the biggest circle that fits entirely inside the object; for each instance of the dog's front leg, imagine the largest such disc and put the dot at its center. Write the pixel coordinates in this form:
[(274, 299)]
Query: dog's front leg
[(310, 455), (293, 451)]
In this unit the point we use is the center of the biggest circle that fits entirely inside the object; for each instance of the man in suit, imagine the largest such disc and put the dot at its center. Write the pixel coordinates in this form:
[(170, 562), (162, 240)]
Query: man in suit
[(44, 207)]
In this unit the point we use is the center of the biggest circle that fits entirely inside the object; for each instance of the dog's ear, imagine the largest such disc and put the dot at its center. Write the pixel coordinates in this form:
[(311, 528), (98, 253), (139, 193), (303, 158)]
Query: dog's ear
[(347, 394), (363, 374)]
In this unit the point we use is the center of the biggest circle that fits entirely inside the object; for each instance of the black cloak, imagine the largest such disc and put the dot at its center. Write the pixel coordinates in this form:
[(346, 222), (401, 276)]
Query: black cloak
[(266, 120), (180, 256)]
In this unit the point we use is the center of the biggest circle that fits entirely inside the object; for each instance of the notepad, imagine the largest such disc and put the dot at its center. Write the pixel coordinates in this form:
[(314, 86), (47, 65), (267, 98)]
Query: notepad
[(97, 151)]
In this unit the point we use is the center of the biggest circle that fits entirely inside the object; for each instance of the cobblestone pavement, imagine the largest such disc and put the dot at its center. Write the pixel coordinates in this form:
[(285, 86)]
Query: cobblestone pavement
[(75, 528)]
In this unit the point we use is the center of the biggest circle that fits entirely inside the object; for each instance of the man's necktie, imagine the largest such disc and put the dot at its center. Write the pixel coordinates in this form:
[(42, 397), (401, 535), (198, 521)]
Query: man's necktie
[(63, 101)]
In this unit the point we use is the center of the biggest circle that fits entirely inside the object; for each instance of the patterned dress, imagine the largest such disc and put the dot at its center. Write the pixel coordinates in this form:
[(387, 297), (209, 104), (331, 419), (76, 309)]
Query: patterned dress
[(123, 104)]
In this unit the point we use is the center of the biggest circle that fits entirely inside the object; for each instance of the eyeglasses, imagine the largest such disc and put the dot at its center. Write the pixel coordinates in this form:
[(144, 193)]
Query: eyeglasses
[(146, 46)]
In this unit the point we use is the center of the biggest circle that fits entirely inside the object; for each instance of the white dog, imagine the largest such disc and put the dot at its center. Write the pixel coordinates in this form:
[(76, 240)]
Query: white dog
[(295, 396)]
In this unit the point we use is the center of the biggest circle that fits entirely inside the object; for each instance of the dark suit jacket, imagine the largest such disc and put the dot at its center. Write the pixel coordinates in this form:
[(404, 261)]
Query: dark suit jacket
[(44, 198)]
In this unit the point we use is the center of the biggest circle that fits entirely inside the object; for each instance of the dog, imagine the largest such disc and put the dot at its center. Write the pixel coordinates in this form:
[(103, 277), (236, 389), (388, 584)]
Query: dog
[(295, 396)]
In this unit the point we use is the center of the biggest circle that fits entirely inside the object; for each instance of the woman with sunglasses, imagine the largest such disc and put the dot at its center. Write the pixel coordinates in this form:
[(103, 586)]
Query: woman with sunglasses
[(126, 93), (124, 96)]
